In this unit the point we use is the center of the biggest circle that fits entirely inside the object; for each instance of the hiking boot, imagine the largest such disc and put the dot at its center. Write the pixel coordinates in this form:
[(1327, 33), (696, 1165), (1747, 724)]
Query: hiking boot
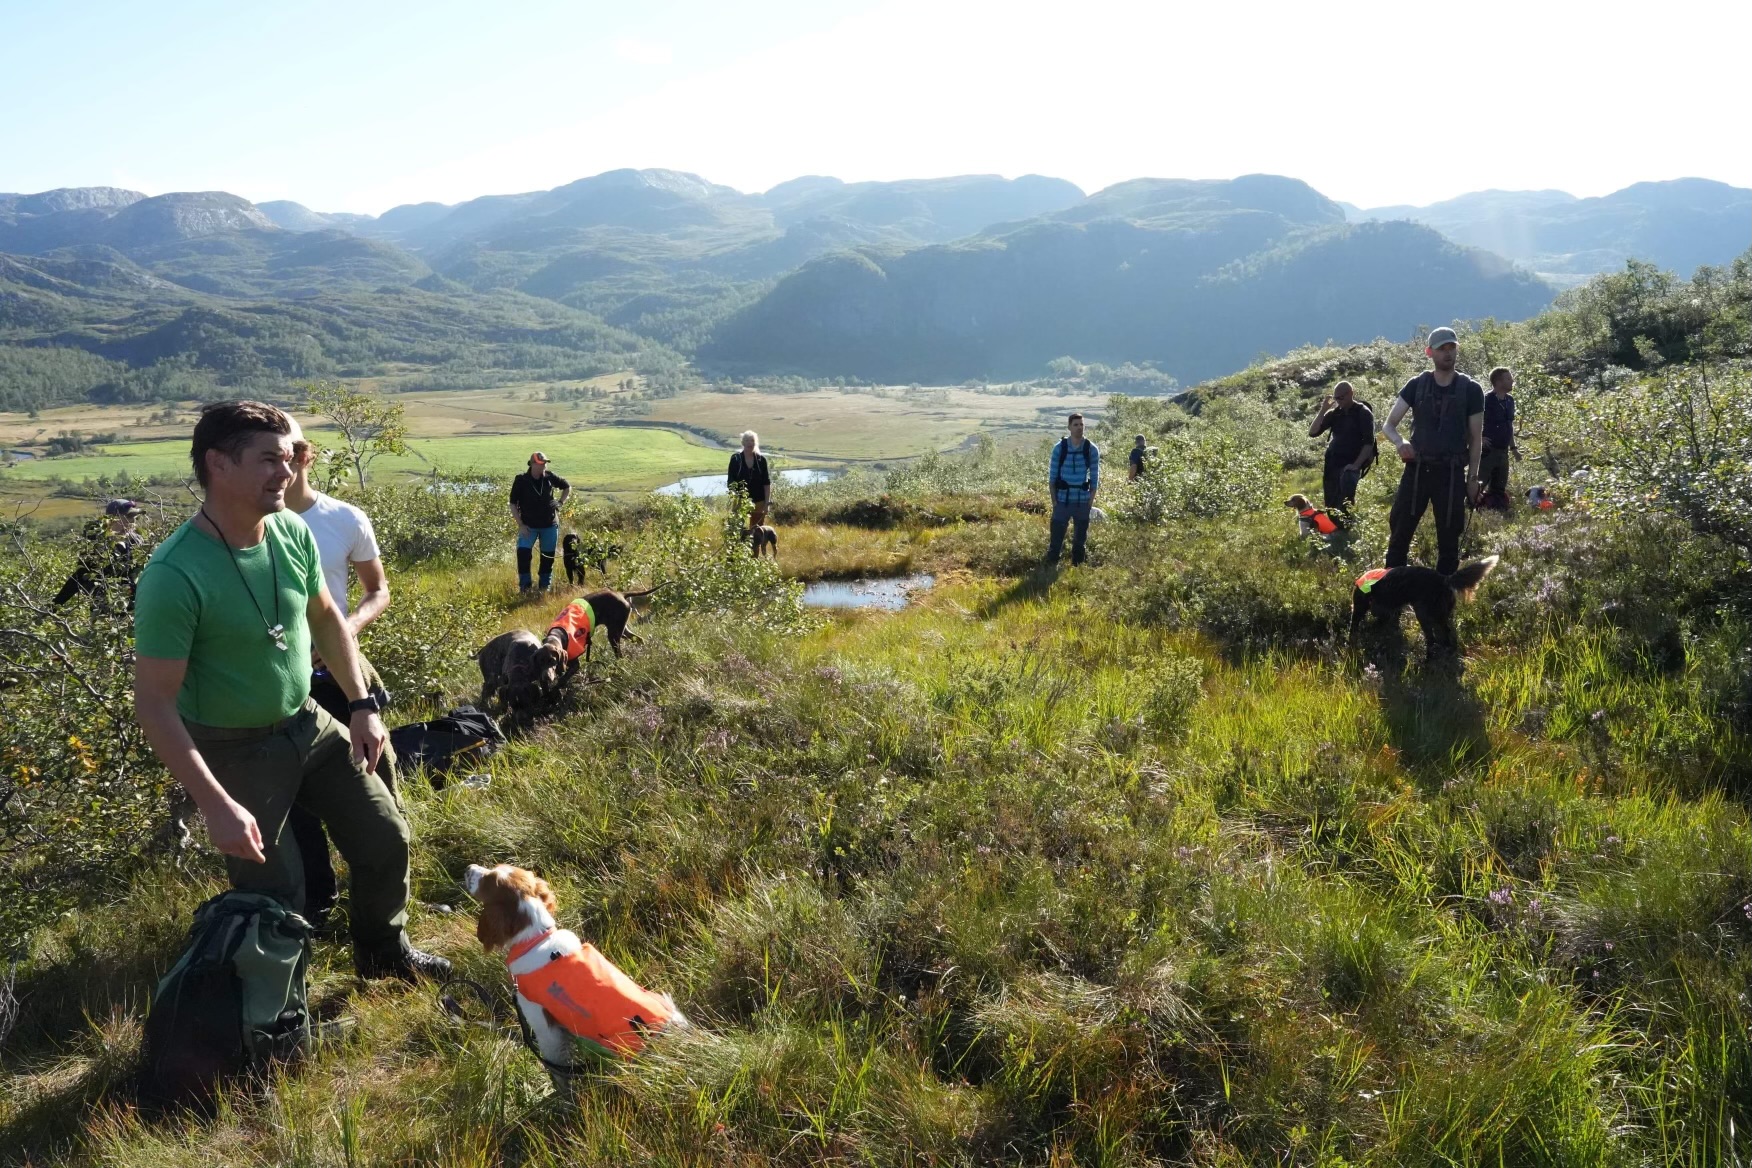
[(408, 964)]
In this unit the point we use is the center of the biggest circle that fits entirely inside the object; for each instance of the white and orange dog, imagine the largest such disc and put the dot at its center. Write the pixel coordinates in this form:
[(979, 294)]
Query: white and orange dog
[(566, 989)]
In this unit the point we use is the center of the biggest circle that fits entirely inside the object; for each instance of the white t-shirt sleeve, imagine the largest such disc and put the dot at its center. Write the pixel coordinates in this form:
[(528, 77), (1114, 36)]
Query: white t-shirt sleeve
[(364, 547)]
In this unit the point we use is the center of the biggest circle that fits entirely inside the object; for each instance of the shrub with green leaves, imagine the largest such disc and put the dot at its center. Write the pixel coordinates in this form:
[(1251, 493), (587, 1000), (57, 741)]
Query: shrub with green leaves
[(81, 795)]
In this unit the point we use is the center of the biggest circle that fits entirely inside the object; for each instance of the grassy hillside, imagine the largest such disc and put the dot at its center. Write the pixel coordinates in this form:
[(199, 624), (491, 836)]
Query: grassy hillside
[(1138, 863)]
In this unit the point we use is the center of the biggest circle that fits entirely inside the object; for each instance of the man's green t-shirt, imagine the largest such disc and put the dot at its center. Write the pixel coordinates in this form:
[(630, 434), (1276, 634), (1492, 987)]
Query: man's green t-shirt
[(192, 605)]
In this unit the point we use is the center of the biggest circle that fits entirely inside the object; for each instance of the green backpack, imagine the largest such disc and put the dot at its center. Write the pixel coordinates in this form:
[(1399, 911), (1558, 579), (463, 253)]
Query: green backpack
[(235, 998)]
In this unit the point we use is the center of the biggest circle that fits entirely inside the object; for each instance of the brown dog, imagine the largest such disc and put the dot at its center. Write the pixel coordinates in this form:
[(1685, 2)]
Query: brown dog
[(511, 672), (765, 539), (611, 611)]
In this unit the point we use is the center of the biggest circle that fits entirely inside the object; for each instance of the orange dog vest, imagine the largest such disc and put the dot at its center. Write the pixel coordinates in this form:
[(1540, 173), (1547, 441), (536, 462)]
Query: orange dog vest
[(587, 993), (1367, 580), (575, 623), (1321, 520)]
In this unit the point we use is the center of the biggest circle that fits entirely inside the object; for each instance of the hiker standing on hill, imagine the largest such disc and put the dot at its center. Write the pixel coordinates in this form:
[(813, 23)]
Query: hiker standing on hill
[(1074, 474), (1351, 449), (538, 518), (1499, 439), (229, 608), (1135, 460), (1441, 458), (749, 471), (110, 544), (344, 537)]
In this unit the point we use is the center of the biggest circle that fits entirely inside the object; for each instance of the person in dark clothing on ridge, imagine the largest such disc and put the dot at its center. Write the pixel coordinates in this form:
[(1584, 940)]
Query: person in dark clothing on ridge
[(538, 518), (1074, 474), (749, 471), (108, 554), (1351, 449), (1441, 457), (1499, 439), (1136, 460)]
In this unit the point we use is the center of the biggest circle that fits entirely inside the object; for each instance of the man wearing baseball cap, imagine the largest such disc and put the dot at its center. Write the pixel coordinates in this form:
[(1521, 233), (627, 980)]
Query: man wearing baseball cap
[(538, 517), (108, 553), (1441, 458)]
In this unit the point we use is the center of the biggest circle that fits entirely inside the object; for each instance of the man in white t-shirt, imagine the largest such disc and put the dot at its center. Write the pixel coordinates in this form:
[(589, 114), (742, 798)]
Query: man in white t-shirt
[(344, 538)]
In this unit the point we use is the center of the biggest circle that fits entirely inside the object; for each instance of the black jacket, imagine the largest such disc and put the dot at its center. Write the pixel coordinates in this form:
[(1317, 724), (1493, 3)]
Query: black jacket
[(757, 479)]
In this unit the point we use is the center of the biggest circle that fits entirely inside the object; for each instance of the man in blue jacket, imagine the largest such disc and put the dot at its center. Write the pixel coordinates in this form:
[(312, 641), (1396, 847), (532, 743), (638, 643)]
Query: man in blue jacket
[(1074, 475)]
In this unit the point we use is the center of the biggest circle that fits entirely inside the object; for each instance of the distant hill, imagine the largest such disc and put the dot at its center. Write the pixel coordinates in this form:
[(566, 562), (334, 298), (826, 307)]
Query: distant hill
[(922, 279), (1196, 277), (1677, 225)]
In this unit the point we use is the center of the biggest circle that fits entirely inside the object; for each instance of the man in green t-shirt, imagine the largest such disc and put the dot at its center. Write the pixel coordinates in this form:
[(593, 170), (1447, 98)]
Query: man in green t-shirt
[(227, 610)]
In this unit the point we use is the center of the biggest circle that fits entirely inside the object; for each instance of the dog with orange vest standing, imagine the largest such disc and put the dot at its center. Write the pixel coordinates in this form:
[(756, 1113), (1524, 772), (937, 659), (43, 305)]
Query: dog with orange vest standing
[(1311, 519), (1431, 595)]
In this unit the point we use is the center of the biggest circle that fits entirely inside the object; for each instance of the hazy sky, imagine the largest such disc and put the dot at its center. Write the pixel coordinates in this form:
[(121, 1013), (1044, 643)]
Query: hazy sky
[(362, 105)]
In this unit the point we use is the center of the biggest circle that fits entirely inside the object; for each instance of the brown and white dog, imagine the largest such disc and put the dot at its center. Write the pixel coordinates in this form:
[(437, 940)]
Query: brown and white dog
[(1311, 520), (566, 988)]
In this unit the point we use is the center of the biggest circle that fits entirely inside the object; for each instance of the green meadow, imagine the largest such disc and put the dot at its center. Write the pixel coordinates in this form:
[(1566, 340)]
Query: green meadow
[(598, 458)]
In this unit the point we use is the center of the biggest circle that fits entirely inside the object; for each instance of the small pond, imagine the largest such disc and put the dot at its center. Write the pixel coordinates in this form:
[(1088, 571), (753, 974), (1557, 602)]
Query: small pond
[(18, 455), (890, 594), (711, 486)]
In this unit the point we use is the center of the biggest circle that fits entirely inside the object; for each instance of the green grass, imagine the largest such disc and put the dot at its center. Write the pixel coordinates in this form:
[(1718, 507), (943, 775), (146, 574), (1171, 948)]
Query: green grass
[(597, 458), (1133, 865)]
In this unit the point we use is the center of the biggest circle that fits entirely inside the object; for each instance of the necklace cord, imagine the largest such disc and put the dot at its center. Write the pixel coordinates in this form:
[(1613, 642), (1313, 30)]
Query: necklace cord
[(277, 629)]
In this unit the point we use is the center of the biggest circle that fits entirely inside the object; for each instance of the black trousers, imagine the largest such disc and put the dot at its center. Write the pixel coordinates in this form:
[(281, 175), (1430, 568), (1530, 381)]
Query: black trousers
[(1438, 486), (1338, 488)]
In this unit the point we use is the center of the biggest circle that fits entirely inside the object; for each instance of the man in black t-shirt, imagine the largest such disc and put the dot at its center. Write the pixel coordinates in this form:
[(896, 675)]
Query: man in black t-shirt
[(1499, 439), (538, 517), (1350, 450), (1441, 458), (1136, 459)]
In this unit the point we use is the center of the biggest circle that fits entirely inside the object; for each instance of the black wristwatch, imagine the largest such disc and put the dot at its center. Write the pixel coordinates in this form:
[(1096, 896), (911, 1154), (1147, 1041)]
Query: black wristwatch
[(368, 703)]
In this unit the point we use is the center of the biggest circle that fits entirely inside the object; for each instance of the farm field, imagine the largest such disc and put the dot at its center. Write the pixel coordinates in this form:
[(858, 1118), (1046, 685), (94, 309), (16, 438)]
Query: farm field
[(598, 458), (882, 423)]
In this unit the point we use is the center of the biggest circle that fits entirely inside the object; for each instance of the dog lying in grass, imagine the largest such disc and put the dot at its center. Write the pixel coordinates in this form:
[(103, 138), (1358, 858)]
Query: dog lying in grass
[(566, 989), (511, 675), (765, 539), (1431, 595), (1309, 518)]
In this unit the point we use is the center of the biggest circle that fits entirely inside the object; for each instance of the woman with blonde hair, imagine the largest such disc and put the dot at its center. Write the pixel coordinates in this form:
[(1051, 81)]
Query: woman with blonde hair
[(749, 471)]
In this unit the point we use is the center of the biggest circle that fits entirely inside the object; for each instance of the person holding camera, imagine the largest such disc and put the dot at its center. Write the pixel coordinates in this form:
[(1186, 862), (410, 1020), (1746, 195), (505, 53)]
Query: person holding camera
[(1074, 473)]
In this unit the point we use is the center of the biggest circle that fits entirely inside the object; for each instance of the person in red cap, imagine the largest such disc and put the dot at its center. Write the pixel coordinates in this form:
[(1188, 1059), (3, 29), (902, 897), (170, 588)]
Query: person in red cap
[(538, 518)]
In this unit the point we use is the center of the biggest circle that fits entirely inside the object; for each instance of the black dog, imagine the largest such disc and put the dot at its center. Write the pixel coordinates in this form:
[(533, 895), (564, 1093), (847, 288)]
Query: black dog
[(569, 552), (1432, 597), (765, 539)]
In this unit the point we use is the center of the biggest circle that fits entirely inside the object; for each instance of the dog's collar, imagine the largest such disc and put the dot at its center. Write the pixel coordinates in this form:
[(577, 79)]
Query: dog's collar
[(522, 947), (1367, 580)]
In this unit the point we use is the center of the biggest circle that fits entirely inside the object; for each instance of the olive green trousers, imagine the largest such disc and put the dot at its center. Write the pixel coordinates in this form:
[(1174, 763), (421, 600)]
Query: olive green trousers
[(307, 761)]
